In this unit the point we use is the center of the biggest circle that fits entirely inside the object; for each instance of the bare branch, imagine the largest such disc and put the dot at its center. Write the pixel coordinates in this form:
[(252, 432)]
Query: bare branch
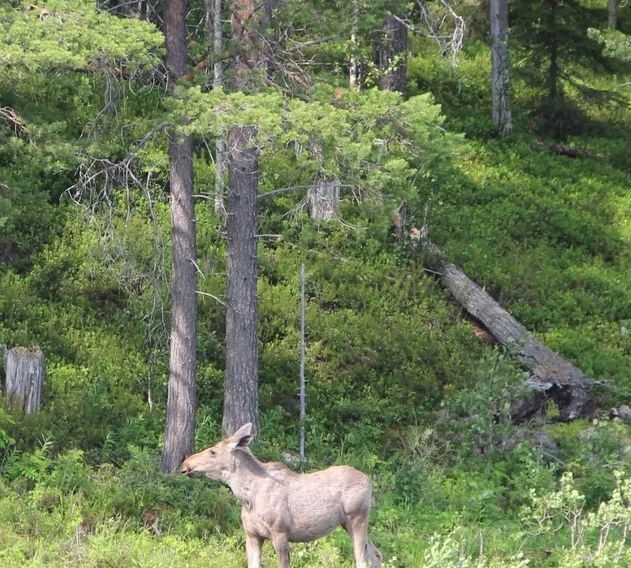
[(97, 176), (211, 296), (450, 43), (8, 115)]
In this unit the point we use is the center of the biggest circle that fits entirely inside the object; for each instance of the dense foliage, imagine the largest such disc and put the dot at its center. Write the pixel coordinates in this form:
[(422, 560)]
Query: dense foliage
[(399, 384)]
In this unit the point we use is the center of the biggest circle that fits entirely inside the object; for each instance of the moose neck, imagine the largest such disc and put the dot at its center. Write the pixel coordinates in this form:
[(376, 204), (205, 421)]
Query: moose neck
[(246, 473)]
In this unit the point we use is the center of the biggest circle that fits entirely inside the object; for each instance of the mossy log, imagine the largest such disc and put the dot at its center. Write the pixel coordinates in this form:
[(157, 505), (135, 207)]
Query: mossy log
[(551, 375), (24, 379)]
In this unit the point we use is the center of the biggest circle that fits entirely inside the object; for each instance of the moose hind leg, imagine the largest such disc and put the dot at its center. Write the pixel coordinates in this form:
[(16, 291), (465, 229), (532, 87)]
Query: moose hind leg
[(357, 528)]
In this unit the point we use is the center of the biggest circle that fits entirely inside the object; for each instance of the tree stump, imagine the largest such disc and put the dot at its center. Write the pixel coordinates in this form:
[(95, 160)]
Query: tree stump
[(24, 379), (400, 221), (324, 200)]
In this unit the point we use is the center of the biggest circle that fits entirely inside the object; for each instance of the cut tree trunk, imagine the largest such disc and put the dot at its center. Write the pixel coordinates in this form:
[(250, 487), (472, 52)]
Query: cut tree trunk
[(552, 376), (324, 200), (25, 379)]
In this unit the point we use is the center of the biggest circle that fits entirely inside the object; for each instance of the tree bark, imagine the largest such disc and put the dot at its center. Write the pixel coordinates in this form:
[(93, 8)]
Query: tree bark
[(241, 375), (182, 396), (392, 54), (24, 379), (247, 20), (612, 13), (500, 67), (551, 374)]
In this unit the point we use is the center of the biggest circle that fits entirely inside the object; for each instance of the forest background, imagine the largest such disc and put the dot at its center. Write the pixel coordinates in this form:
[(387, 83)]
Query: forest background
[(525, 188)]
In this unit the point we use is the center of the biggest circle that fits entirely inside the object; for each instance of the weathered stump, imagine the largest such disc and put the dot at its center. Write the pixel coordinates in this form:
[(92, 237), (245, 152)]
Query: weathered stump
[(400, 221), (323, 200), (24, 379)]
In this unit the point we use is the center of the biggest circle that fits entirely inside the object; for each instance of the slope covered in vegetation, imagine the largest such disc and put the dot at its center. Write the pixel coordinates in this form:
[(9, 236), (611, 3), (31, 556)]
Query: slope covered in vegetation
[(399, 385)]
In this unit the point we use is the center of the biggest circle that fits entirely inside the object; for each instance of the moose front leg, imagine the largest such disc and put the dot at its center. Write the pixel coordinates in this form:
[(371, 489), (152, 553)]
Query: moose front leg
[(253, 546), (281, 546)]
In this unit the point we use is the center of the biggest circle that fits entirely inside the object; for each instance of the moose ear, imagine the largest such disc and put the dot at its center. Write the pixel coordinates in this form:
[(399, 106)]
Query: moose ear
[(242, 437)]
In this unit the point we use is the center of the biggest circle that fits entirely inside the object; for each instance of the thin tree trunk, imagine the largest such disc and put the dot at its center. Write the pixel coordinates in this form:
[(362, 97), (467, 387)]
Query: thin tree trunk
[(182, 397), (613, 14), (214, 35), (551, 374), (217, 44), (354, 68), (220, 146), (500, 67), (24, 379), (241, 375), (303, 385), (392, 54), (555, 96)]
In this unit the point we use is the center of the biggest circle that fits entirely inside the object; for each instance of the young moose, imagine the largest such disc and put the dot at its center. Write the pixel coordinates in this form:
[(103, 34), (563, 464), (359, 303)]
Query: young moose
[(284, 506)]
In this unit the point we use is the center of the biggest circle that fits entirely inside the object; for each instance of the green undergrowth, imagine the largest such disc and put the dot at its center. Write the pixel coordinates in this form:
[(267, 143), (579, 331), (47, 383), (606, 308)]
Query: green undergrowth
[(398, 384), (454, 494)]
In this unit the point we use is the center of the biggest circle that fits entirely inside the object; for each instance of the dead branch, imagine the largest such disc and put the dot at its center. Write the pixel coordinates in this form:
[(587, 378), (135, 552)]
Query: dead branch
[(450, 43), (97, 176), (8, 115)]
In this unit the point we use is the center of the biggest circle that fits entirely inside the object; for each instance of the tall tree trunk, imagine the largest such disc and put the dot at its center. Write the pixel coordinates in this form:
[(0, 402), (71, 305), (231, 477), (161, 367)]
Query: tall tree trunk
[(613, 13), (392, 54), (181, 403), (500, 64), (241, 375), (24, 379)]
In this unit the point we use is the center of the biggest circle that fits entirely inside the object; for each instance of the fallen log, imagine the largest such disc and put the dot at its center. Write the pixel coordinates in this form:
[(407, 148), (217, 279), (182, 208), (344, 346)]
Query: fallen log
[(551, 375), (570, 152)]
